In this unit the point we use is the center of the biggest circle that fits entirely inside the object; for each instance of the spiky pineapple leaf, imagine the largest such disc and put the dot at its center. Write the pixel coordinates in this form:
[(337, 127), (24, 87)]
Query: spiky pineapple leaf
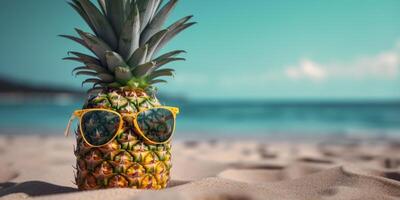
[(103, 6), (157, 4), (129, 5), (116, 14), (180, 22), (172, 33), (139, 56), (156, 81), (160, 73), (144, 69), (114, 60), (106, 77), (75, 39), (114, 85), (102, 27), (158, 21), (123, 74), (86, 73), (93, 68), (78, 8), (103, 76), (89, 68), (95, 90), (79, 68), (154, 43), (95, 44), (86, 58), (130, 34), (146, 8), (166, 61), (74, 59), (91, 80), (97, 68), (168, 55)]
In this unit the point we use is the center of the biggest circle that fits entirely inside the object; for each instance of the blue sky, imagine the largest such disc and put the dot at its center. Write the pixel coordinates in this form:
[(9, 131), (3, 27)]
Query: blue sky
[(256, 49)]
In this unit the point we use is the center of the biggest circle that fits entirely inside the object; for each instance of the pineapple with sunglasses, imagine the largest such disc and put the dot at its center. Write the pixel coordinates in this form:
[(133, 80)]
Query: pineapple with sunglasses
[(124, 133)]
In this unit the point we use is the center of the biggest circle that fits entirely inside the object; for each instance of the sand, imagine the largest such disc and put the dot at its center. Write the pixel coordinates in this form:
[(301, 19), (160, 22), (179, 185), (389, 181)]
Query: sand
[(40, 167)]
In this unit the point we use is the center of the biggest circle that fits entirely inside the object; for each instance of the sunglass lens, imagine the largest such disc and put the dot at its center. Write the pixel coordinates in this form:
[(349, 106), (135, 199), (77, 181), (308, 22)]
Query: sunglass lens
[(157, 124), (99, 127)]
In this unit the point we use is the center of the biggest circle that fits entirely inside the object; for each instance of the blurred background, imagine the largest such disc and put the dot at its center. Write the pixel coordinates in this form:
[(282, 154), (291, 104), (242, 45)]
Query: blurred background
[(259, 67)]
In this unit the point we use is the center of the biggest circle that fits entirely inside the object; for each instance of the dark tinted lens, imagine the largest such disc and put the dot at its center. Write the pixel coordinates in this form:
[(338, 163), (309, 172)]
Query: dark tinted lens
[(99, 127), (156, 124)]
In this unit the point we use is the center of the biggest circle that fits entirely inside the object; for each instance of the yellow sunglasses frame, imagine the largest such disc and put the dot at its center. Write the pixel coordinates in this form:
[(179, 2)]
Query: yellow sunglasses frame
[(80, 113)]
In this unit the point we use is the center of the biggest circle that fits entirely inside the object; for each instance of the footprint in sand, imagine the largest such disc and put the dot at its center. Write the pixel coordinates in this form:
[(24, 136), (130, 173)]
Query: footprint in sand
[(315, 160), (391, 163), (191, 144), (254, 174)]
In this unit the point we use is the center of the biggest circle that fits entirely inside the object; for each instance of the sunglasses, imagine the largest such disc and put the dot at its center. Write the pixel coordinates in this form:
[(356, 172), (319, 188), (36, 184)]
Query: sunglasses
[(99, 127)]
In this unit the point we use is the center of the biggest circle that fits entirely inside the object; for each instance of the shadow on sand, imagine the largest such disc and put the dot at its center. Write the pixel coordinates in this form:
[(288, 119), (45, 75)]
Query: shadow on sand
[(39, 188), (33, 188)]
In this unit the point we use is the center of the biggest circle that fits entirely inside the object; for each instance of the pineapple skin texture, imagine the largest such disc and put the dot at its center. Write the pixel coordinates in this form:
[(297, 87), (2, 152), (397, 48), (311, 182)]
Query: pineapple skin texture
[(127, 161)]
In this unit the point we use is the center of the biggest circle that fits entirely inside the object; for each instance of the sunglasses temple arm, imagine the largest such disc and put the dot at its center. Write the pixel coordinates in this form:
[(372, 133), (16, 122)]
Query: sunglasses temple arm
[(67, 130)]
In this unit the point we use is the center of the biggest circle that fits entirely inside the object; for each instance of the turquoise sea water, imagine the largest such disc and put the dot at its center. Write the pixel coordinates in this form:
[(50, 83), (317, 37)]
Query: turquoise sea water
[(229, 118)]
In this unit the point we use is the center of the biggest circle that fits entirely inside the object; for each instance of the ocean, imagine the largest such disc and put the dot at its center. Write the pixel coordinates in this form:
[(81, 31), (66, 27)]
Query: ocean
[(237, 118)]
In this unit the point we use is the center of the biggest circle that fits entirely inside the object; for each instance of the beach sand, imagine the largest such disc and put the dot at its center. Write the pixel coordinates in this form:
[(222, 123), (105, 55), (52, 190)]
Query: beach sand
[(40, 167)]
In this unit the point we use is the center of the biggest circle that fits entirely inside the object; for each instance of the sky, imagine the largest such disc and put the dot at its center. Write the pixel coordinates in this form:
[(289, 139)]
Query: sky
[(257, 49)]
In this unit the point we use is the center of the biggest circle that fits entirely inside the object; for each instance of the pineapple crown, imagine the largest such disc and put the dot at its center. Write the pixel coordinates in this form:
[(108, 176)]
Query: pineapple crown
[(128, 34)]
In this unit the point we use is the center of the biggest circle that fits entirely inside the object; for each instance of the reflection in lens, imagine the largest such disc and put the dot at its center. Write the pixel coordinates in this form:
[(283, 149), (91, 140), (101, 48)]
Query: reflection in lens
[(156, 124), (99, 127)]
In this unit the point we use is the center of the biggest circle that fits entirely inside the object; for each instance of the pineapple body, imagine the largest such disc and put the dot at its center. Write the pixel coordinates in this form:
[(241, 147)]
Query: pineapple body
[(127, 161)]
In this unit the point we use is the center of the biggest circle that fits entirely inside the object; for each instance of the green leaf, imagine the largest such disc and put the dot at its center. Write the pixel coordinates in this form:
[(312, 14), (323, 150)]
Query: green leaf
[(129, 5), (103, 6), (139, 56), (95, 90), (114, 85), (103, 28), (92, 68), (116, 14), (130, 34), (103, 76), (145, 8), (143, 69), (86, 58), (157, 5), (78, 8), (114, 60), (96, 45), (91, 80), (172, 33), (123, 75), (75, 39), (166, 61), (86, 73), (168, 55), (154, 42), (152, 82), (160, 73), (158, 21), (106, 77), (180, 22), (79, 68), (97, 68), (75, 59)]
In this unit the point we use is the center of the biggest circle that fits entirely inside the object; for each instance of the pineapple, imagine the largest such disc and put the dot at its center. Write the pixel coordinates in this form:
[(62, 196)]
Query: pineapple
[(128, 34)]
